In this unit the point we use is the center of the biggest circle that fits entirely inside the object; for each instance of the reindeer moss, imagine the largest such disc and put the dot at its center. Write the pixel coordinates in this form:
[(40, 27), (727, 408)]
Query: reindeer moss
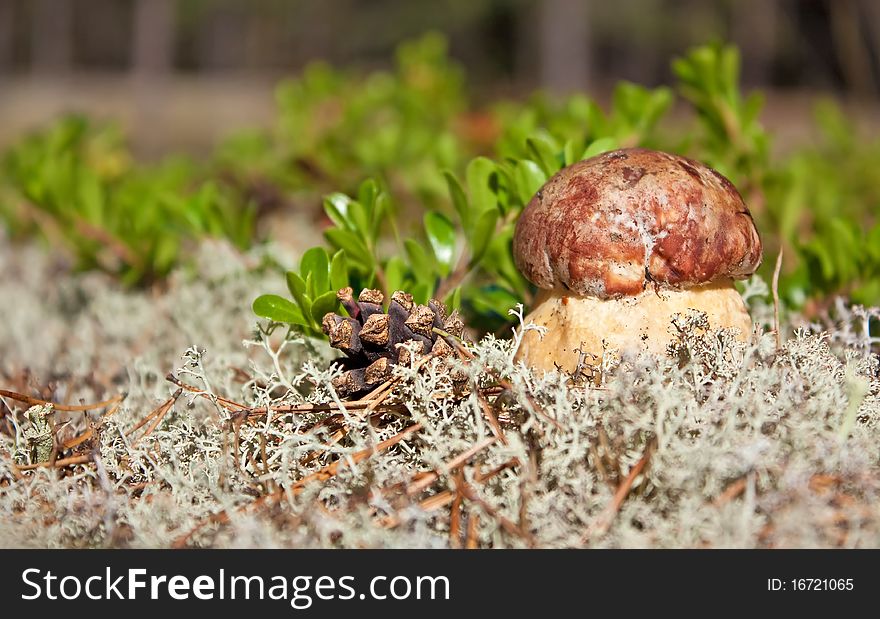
[(739, 445)]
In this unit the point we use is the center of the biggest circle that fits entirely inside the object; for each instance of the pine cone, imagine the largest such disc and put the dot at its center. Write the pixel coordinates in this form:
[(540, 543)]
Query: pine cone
[(371, 338)]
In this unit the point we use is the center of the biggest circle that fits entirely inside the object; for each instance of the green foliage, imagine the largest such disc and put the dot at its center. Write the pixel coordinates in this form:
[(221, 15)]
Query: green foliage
[(423, 191), (825, 205), (463, 254), (730, 138), (813, 202), (335, 128), (579, 121), (313, 289), (75, 184), (819, 203)]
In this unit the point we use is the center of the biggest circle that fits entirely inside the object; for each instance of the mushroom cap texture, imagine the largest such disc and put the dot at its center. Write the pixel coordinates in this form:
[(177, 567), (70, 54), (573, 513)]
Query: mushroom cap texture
[(610, 225)]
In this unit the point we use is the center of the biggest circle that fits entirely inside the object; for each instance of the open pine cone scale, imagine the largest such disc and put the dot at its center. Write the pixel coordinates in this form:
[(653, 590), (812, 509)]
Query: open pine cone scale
[(371, 337)]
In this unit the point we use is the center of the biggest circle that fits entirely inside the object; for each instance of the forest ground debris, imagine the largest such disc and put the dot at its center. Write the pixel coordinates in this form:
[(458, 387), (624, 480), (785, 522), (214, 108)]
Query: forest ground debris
[(718, 444)]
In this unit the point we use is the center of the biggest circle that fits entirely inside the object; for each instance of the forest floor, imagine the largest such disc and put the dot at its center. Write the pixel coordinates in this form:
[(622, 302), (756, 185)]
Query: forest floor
[(245, 444)]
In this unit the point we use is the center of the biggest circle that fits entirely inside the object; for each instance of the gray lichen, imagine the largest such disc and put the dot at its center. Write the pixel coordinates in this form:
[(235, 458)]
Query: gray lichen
[(738, 445), (37, 438)]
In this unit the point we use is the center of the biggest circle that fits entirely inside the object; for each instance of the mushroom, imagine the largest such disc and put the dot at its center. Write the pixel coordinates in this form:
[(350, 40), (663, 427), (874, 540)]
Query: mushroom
[(621, 242)]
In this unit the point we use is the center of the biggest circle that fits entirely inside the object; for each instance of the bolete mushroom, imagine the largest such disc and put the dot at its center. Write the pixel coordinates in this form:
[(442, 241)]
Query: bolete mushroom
[(620, 242)]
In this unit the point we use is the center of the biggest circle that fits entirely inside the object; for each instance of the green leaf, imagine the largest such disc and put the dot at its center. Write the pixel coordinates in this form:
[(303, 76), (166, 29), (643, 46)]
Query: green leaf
[(421, 263), (165, 253), (367, 193), (453, 299), (395, 274), (422, 291), (324, 303), (441, 236), (822, 255), (544, 152), (459, 199), (338, 271), (297, 287), (493, 300), (348, 214), (316, 263), (359, 219), (278, 309), (381, 208), (483, 233), (529, 178), (310, 286), (479, 181), (499, 261), (353, 246), (600, 146), (873, 244), (91, 197), (336, 205), (571, 152)]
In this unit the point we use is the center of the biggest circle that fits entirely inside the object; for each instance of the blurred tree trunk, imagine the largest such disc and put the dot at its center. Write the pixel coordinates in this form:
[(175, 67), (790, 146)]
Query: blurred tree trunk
[(153, 46), (52, 36), (221, 38), (850, 45), (320, 21), (152, 61), (7, 15), (564, 45), (872, 28), (754, 31)]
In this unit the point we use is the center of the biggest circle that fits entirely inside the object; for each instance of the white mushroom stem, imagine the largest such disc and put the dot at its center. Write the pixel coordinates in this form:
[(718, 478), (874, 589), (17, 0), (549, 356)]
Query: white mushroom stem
[(588, 324)]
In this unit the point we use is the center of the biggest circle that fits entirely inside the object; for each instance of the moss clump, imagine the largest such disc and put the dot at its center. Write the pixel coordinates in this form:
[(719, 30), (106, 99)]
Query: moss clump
[(718, 444)]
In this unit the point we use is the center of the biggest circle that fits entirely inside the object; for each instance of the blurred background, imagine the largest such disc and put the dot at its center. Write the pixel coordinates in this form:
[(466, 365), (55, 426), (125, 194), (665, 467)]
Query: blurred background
[(181, 74), (132, 130)]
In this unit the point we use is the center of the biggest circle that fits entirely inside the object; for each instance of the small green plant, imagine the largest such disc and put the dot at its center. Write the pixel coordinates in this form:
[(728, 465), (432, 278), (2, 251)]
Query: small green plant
[(314, 289), (462, 257), (730, 136), (824, 203), (578, 121), (462, 254), (337, 127), (75, 184), (437, 218)]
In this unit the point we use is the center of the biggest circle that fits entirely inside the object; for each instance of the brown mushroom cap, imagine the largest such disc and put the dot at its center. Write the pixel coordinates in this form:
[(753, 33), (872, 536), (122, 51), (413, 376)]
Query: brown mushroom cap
[(608, 226)]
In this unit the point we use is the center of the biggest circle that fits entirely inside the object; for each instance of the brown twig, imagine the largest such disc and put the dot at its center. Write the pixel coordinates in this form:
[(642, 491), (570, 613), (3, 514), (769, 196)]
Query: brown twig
[(60, 407), (57, 463), (430, 477), (371, 401), (82, 438), (321, 475), (156, 415), (227, 403), (473, 525), (333, 468), (603, 522), (491, 418), (732, 491), (484, 477), (455, 513), (504, 383), (508, 525), (437, 501)]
